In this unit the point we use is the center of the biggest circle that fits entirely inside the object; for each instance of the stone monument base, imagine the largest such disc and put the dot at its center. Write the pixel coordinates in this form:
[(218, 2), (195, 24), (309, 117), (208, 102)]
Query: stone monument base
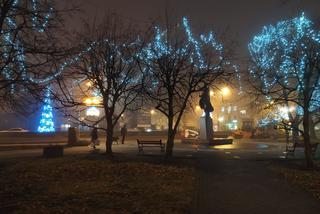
[(206, 128), (214, 142), (203, 129)]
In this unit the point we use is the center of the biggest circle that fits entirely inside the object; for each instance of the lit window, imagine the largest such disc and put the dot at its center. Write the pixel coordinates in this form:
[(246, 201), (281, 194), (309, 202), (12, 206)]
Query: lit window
[(93, 112), (243, 112), (222, 109), (229, 109), (221, 119)]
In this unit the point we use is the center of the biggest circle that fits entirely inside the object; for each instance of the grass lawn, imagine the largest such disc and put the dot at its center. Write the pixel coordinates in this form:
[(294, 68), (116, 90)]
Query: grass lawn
[(94, 185), (294, 171)]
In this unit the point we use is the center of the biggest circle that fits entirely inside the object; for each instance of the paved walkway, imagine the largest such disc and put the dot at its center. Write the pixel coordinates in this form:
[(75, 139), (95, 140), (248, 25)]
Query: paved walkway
[(229, 185)]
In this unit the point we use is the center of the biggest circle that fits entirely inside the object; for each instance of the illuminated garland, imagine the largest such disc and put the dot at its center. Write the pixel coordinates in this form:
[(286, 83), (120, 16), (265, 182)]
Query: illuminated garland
[(194, 47), (155, 49), (279, 55), (12, 44)]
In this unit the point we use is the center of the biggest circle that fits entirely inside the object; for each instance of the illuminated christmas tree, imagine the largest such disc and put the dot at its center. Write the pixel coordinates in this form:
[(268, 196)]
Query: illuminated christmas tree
[(46, 121)]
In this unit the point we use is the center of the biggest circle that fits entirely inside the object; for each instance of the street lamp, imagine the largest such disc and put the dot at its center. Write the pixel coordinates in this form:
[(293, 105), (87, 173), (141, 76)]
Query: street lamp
[(225, 91), (89, 84), (88, 101), (92, 101), (95, 101)]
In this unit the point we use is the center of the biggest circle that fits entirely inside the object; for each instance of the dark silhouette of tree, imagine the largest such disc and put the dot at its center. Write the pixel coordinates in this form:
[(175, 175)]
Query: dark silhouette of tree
[(109, 66), (177, 66)]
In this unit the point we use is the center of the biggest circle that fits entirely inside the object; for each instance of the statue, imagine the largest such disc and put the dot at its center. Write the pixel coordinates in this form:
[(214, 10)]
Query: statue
[(204, 102), (206, 127)]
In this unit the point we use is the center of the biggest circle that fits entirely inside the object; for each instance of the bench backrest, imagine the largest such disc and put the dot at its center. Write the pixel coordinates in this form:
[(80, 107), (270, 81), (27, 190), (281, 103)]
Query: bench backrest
[(149, 141)]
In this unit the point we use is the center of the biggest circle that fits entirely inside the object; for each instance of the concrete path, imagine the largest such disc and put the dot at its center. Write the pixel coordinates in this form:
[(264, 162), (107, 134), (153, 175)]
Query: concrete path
[(230, 184)]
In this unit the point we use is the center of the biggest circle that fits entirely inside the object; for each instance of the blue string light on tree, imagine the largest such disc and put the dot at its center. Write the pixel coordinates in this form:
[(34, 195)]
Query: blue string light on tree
[(281, 56), (12, 44), (194, 46)]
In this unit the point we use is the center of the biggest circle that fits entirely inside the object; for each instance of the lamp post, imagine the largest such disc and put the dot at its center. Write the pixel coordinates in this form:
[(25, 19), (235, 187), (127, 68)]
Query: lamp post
[(92, 101), (220, 120), (225, 91)]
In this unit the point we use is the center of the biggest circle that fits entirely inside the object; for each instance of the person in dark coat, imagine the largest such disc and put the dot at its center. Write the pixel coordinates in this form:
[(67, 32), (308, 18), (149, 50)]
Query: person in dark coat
[(94, 137), (123, 133)]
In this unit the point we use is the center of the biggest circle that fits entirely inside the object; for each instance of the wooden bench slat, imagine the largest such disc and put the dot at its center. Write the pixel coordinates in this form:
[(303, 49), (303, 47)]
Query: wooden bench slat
[(150, 143)]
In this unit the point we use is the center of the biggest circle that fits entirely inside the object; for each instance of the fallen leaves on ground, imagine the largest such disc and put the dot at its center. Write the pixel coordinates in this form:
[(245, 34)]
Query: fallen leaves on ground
[(307, 179), (78, 185)]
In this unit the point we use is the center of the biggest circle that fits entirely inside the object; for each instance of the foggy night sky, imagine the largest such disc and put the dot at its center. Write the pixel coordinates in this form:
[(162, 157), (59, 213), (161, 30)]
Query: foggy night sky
[(244, 18)]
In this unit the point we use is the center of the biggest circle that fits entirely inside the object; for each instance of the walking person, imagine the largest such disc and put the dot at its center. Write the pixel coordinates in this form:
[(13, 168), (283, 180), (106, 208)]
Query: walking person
[(123, 133), (94, 137)]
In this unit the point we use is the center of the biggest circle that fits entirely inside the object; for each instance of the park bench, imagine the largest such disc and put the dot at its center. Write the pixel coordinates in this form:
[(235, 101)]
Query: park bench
[(291, 148), (150, 143)]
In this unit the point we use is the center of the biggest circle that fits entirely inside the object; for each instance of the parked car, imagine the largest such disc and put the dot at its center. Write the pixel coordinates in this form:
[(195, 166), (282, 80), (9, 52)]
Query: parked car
[(15, 130), (189, 133)]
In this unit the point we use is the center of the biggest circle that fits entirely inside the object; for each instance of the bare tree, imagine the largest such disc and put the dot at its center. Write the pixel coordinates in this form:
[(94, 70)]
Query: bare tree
[(110, 68), (31, 48)]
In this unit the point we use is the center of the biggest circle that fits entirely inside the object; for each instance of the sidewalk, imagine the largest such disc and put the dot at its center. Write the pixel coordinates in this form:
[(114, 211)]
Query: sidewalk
[(229, 186), (129, 148)]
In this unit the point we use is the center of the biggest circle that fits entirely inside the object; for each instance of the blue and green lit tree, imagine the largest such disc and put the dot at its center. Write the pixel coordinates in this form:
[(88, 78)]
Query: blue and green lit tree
[(46, 121), (286, 69)]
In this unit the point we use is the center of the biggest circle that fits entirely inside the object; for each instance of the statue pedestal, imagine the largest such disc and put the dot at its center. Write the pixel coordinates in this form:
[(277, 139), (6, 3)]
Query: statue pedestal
[(206, 129)]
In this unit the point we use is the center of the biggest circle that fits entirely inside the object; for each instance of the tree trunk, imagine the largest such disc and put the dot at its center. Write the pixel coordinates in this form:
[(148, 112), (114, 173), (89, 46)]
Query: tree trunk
[(209, 127), (170, 140), (313, 134), (109, 138), (287, 135), (170, 143), (307, 142), (295, 127), (295, 134)]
